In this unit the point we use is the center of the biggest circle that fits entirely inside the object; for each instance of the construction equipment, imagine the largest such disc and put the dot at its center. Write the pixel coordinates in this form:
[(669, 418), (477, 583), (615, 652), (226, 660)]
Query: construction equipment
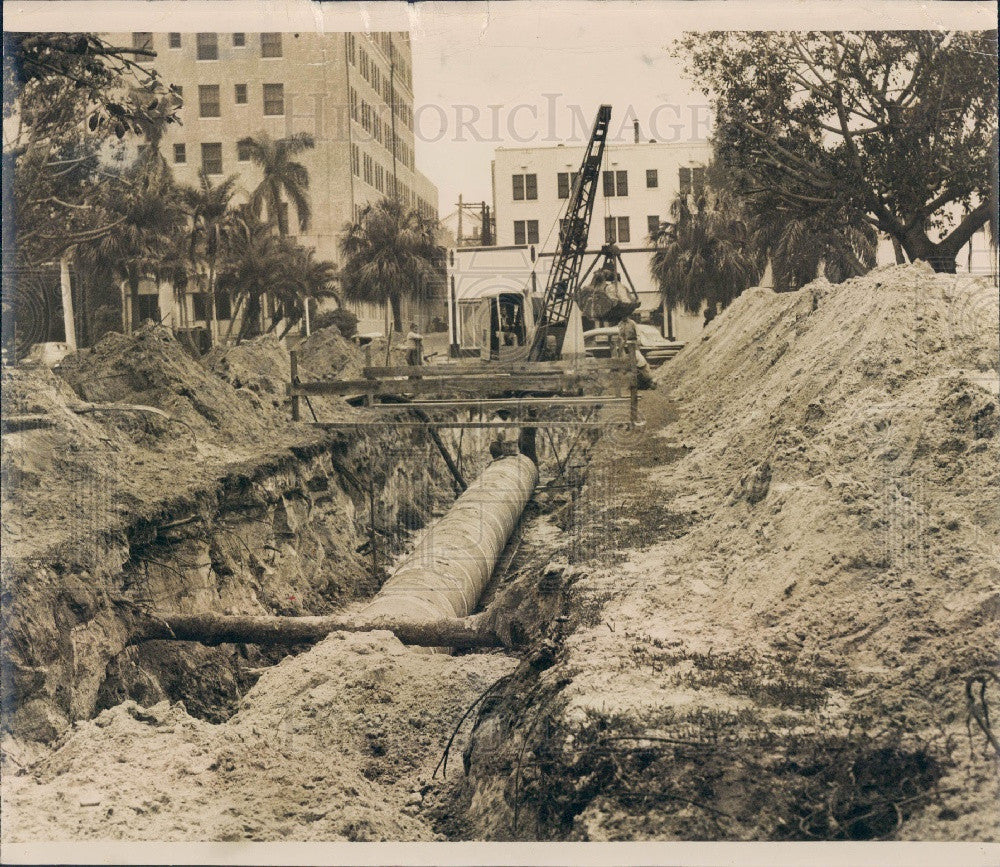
[(563, 282)]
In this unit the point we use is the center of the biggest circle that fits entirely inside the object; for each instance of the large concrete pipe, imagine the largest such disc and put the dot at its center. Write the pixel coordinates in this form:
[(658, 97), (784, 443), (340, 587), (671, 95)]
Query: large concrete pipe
[(447, 570)]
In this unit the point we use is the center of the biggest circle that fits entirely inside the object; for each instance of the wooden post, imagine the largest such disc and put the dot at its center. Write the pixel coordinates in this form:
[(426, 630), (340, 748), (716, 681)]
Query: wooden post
[(294, 360), (66, 286), (369, 395), (633, 386)]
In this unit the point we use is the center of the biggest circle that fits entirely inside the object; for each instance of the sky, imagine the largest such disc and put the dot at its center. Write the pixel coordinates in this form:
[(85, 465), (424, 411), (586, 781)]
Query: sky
[(511, 77)]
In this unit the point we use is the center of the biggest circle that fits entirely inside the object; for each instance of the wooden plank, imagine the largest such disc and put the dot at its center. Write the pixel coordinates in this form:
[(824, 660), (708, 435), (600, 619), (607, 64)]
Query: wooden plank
[(503, 403), (552, 423), (496, 368), (475, 385)]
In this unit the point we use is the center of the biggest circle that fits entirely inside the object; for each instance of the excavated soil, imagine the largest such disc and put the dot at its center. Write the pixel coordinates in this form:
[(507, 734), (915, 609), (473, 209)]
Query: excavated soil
[(756, 620), (778, 589)]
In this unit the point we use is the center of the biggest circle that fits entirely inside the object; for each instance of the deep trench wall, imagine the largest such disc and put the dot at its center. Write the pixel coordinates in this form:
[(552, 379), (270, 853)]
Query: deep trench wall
[(288, 535)]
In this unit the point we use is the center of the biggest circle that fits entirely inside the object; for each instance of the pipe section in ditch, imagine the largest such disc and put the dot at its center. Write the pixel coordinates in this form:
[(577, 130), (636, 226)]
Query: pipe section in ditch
[(447, 570)]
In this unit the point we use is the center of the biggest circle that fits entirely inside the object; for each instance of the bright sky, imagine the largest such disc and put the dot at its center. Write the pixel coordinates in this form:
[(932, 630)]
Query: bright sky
[(536, 77), (519, 73)]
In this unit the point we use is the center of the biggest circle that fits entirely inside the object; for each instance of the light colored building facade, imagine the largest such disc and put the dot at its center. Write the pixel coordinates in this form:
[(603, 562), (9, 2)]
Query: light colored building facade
[(352, 92), (638, 182)]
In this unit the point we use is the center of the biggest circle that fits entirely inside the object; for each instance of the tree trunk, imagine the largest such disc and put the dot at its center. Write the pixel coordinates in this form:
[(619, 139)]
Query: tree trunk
[(396, 304), (212, 629), (897, 248)]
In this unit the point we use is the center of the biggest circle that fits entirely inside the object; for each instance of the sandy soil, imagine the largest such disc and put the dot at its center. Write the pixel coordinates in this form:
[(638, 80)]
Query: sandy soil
[(793, 565), (772, 596), (339, 743)]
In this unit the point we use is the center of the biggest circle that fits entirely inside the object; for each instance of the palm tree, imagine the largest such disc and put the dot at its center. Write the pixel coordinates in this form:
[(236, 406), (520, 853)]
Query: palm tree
[(799, 248), (148, 203), (208, 205), (389, 254), (704, 256), (281, 174), (254, 261)]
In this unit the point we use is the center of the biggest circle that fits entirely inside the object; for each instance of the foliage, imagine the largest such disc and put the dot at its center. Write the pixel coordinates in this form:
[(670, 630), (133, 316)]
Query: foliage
[(345, 321), (281, 174), (151, 219), (900, 127), (704, 255), (390, 254), (67, 98)]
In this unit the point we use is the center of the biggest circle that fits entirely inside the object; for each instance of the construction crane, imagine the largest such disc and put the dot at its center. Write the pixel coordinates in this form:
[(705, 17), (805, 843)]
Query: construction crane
[(560, 291)]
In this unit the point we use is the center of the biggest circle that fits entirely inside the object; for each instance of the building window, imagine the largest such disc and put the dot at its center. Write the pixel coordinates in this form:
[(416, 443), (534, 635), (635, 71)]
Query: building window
[(354, 104), (243, 151), (351, 50), (274, 99), (223, 305), (653, 224), (241, 94), (615, 183), (208, 100), (148, 307), (180, 153), (609, 183), (211, 158), (142, 41), (239, 40), (525, 187), (616, 229), (525, 231), (691, 180), (562, 182), (207, 46), (200, 306), (355, 161), (652, 179), (174, 40), (270, 45)]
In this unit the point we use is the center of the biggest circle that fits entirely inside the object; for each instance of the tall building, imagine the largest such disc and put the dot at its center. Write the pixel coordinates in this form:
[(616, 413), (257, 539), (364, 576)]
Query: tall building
[(353, 92), (638, 182)]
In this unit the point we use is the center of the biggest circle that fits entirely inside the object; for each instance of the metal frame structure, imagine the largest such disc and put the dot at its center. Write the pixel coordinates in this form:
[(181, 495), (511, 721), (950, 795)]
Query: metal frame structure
[(573, 233)]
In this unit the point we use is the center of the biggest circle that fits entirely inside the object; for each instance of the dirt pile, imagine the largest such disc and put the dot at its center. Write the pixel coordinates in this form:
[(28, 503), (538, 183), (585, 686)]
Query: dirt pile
[(786, 578), (225, 506), (336, 744)]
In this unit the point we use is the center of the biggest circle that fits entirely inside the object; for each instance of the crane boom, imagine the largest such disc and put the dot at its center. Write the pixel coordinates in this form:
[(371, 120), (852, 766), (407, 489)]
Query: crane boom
[(560, 290)]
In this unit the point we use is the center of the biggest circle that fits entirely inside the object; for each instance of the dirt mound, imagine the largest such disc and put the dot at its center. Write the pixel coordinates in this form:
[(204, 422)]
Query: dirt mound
[(805, 575), (151, 367), (336, 744), (325, 354), (258, 369)]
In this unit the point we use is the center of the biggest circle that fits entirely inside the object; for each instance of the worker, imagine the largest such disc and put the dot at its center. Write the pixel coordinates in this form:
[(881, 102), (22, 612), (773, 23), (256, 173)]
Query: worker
[(414, 345), (630, 336)]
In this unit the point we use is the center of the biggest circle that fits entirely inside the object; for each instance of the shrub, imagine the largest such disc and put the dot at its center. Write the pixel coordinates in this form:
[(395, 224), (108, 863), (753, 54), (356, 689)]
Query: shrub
[(346, 322)]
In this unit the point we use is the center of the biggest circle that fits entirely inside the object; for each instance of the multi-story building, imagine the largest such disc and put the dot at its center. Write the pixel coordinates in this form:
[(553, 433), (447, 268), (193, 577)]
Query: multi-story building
[(638, 182), (353, 92)]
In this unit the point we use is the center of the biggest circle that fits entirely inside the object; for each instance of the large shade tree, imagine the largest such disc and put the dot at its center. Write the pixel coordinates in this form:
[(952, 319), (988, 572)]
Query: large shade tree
[(389, 254), (899, 126), (282, 176)]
